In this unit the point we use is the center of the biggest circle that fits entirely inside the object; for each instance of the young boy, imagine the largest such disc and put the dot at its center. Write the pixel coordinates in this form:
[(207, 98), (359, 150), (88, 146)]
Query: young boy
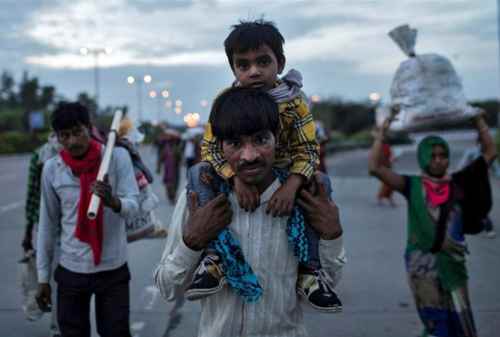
[(255, 54)]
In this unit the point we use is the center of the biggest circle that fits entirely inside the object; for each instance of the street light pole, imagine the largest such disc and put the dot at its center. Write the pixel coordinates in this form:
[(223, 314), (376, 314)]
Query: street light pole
[(138, 81), (96, 79), (139, 101), (96, 52)]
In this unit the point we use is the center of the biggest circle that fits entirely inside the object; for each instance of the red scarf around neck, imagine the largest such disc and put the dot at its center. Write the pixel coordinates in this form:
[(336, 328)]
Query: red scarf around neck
[(86, 168), (437, 191)]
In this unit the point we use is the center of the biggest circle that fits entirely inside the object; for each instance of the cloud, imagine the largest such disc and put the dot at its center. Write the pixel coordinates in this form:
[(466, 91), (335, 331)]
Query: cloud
[(191, 33), (74, 61), (168, 36), (340, 46)]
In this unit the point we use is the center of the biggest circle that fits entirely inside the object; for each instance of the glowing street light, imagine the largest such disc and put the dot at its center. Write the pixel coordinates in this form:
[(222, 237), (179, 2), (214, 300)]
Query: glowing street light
[(152, 94), (178, 103), (165, 93), (315, 98), (204, 103), (374, 97), (192, 119), (136, 80), (178, 110)]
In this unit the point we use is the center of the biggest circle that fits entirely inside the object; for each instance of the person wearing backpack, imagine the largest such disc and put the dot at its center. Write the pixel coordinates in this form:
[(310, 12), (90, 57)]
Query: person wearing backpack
[(442, 208)]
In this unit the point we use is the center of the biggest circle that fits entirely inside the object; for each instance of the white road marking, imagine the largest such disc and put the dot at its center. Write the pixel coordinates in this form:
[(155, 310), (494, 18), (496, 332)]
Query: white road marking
[(11, 206)]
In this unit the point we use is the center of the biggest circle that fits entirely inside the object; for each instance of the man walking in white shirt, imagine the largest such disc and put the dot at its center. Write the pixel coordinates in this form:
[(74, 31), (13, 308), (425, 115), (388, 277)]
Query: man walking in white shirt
[(246, 121), (93, 253)]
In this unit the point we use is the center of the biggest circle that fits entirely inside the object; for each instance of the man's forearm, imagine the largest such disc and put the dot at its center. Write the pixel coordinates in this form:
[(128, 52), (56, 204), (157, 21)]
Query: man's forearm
[(178, 260), (376, 152), (45, 252)]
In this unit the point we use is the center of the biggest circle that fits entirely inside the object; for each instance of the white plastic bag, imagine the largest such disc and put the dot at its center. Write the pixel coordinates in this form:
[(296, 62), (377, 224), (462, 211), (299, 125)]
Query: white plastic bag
[(143, 223), (426, 88), (29, 286)]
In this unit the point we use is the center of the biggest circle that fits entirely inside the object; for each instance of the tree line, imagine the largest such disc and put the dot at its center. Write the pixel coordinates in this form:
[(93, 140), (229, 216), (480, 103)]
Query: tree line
[(18, 100), (350, 117)]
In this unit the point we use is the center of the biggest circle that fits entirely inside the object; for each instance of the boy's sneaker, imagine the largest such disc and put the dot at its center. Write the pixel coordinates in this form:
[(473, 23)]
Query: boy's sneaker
[(314, 286), (208, 278)]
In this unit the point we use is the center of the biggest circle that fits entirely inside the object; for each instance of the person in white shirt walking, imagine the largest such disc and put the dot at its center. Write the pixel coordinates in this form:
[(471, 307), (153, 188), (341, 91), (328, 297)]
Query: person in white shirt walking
[(258, 253), (93, 253)]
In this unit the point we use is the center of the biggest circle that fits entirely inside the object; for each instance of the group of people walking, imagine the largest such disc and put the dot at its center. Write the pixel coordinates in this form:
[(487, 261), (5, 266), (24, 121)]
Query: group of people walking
[(256, 228)]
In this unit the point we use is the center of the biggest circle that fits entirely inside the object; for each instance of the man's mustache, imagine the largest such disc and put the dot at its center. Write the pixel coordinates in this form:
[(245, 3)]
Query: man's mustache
[(245, 165)]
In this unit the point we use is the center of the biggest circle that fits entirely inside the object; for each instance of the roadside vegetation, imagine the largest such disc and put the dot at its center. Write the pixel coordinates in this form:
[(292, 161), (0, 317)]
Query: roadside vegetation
[(348, 123)]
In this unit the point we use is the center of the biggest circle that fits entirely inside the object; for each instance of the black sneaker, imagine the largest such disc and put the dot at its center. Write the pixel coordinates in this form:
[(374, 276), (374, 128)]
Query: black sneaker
[(208, 279), (314, 286)]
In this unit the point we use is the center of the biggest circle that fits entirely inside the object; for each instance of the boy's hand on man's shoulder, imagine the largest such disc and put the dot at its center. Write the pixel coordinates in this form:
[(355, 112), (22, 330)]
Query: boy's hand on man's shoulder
[(248, 196), (283, 199)]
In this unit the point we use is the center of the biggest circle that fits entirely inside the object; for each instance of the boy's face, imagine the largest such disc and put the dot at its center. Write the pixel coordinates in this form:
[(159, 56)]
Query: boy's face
[(251, 157), (258, 68)]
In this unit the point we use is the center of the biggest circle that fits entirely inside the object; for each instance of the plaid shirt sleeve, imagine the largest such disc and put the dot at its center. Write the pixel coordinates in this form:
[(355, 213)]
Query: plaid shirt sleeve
[(303, 146), (32, 206), (211, 151)]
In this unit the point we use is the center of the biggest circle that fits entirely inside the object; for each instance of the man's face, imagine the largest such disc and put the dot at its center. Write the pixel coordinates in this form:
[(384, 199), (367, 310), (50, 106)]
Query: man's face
[(75, 140), (251, 157), (257, 68), (439, 162)]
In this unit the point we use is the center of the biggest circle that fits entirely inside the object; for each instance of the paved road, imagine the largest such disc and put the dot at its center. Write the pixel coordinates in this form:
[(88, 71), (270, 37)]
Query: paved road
[(376, 298)]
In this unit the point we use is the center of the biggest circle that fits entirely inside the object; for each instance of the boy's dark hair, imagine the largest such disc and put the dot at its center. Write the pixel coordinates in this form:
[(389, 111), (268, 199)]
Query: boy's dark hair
[(243, 111), (250, 35), (68, 115)]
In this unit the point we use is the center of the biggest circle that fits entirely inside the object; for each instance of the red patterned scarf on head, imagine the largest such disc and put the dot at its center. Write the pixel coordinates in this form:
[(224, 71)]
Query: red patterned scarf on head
[(86, 168), (437, 191)]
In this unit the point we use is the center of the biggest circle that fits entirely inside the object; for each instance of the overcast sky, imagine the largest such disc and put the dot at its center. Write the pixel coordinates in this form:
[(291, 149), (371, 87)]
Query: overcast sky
[(340, 46)]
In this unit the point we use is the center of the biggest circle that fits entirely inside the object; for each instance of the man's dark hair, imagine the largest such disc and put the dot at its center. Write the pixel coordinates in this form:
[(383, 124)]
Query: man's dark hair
[(68, 115), (250, 35), (243, 111)]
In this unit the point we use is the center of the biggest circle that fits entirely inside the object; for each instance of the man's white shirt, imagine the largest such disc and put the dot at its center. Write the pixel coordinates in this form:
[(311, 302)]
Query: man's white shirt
[(265, 245), (60, 194)]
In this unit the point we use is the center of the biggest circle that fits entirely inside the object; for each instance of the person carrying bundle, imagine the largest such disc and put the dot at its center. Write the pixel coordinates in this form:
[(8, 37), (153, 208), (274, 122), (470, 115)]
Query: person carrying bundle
[(442, 208)]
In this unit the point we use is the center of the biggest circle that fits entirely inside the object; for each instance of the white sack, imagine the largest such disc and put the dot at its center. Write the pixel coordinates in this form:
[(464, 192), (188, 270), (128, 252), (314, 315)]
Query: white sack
[(143, 223), (29, 286), (426, 87)]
